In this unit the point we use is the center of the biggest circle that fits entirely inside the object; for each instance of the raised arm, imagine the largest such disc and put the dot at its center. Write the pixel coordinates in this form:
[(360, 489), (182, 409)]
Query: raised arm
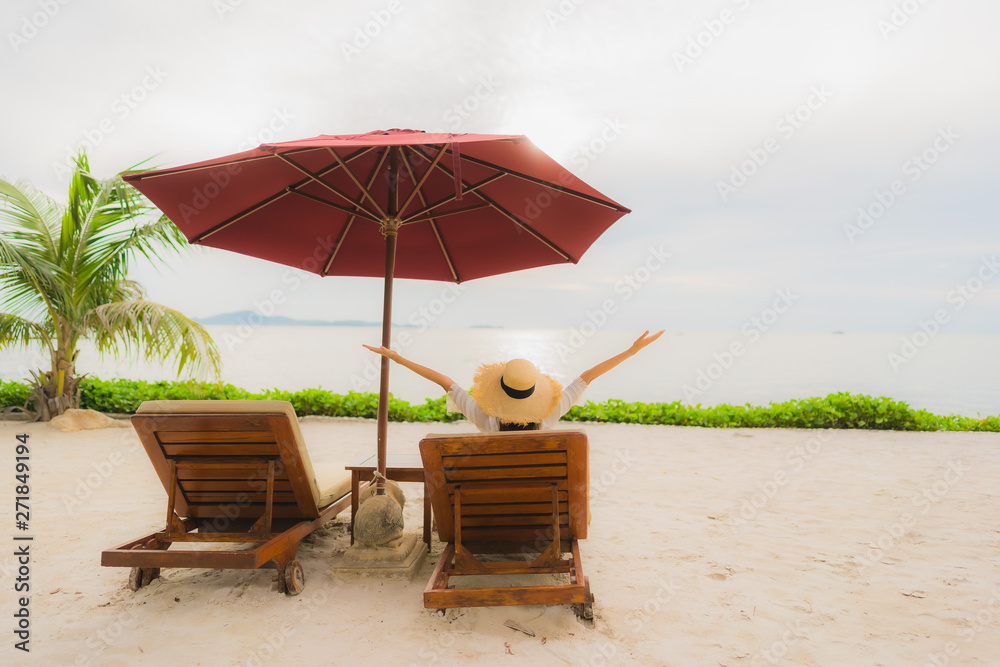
[(600, 369), (422, 371)]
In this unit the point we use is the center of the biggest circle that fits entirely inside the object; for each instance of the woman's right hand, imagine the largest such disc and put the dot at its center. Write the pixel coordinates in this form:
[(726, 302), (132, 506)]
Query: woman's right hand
[(644, 340)]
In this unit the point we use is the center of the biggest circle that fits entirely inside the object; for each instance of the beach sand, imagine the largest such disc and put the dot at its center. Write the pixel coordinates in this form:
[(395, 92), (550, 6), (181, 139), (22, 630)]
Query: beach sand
[(707, 547)]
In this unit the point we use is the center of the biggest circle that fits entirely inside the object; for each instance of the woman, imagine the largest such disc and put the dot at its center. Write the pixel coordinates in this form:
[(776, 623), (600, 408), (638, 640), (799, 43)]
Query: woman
[(514, 396)]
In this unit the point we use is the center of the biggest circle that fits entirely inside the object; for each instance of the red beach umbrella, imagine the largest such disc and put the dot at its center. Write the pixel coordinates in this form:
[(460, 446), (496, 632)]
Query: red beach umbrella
[(393, 203)]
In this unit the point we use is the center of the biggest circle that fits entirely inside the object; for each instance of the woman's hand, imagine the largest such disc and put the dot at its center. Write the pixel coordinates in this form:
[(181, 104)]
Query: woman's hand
[(644, 340), (600, 369)]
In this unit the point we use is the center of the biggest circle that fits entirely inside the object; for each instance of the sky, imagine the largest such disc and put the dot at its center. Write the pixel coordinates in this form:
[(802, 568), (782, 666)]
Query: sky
[(823, 166)]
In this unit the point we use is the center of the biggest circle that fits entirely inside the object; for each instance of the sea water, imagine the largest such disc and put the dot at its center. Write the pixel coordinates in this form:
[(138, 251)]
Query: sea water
[(948, 374)]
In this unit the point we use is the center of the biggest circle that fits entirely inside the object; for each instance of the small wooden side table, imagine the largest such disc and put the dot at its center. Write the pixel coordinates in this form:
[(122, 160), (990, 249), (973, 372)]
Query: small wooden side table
[(398, 468)]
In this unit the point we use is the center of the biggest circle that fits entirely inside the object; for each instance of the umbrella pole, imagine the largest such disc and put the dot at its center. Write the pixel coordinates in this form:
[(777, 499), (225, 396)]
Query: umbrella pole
[(383, 390), (390, 227)]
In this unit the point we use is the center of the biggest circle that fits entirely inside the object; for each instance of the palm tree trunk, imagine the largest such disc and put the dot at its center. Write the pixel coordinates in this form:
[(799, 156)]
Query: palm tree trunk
[(57, 391)]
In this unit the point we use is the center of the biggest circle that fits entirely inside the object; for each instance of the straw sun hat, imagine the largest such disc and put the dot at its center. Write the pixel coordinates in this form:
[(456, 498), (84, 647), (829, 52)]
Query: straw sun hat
[(515, 392)]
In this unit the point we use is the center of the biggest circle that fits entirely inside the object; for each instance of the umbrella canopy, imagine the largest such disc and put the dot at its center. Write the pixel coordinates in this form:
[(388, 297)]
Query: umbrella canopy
[(462, 206)]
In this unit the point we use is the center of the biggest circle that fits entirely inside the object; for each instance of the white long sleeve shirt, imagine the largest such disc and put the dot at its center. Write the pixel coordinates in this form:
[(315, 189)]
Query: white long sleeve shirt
[(459, 400)]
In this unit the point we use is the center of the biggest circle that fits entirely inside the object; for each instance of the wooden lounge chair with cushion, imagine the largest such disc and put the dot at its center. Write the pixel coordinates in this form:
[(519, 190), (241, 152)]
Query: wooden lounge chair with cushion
[(236, 473), (514, 493)]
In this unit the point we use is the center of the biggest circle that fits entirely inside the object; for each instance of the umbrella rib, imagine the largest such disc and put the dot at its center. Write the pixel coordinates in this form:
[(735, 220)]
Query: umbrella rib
[(315, 178), (444, 251), (517, 221), (350, 220), (548, 184), (433, 224), (513, 218), (239, 216), (181, 170), (227, 164), (336, 247), (430, 169), (362, 214), (364, 190), (443, 214), (451, 198), (261, 204)]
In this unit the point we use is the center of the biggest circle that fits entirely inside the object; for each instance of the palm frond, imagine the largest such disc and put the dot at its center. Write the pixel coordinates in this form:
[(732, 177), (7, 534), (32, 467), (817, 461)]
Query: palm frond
[(21, 332), (23, 270), (29, 217), (156, 332), (90, 221), (110, 239)]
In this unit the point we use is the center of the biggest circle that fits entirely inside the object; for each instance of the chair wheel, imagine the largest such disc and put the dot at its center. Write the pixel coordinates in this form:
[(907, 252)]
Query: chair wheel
[(294, 577)]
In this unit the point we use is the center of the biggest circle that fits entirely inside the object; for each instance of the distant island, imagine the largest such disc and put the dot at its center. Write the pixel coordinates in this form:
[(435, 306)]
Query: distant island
[(254, 318)]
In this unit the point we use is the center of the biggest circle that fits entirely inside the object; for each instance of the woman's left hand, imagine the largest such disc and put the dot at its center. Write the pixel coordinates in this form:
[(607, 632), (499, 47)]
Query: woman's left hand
[(644, 340)]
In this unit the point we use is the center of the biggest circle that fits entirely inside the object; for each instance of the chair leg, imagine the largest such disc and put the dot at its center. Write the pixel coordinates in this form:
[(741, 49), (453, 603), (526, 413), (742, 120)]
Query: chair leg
[(174, 524), (552, 556), (261, 528), (464, 560)]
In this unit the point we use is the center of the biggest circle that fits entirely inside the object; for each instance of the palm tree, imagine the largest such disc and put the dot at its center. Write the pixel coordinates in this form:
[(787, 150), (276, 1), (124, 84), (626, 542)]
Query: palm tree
[(64, 277)]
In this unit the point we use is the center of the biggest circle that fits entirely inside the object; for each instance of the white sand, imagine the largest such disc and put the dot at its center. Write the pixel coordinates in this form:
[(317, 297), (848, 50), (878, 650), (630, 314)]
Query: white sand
[(707, 547)]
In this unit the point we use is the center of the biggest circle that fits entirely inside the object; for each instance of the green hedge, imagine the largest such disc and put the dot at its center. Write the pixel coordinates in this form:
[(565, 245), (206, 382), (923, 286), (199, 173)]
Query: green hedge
[(14, 394), (842, 410)]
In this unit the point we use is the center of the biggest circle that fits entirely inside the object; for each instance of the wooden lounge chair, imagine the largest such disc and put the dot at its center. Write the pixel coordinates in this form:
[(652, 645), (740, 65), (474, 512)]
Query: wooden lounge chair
[(508, 493), (234, 472)]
